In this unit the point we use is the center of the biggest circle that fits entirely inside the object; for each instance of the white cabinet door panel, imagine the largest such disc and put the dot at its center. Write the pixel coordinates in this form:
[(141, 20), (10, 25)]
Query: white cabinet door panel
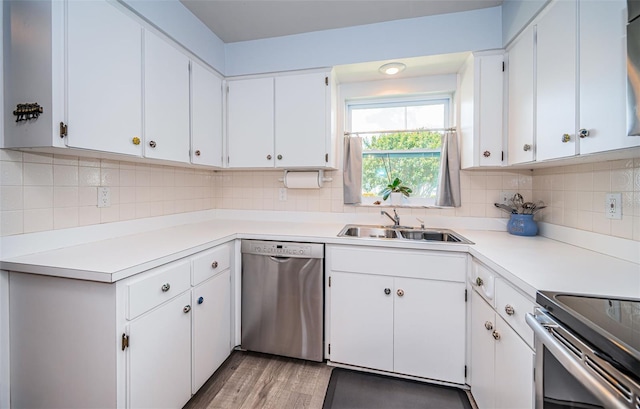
[(166, 100), (250, 122), (160, 356), (513, 370), (482, 352), (362, 320), (429, 329), (104, 90), (301, 109), (206, 116), (556, 81)]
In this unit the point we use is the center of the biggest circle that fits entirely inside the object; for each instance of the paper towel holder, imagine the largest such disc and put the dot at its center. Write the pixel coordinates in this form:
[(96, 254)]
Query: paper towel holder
[(321, 177)]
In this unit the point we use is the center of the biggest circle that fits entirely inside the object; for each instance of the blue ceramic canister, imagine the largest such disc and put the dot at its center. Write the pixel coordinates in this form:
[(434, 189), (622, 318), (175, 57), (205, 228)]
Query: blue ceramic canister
[(522, 225)]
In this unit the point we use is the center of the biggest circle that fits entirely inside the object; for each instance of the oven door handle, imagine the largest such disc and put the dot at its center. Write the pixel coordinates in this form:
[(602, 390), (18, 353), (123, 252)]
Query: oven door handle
[(573, 365)]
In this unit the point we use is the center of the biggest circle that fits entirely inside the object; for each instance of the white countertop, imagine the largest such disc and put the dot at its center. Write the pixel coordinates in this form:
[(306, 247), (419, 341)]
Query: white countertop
[(530, 263)]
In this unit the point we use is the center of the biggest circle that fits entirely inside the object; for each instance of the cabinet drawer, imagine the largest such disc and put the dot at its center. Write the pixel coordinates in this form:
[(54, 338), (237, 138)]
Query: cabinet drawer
[(209, 263), (157, 286), (483, 281), (513, 306), (438, 265)]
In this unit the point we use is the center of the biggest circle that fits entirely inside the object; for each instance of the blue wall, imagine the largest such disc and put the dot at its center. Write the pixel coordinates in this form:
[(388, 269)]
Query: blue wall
[(516, 14)]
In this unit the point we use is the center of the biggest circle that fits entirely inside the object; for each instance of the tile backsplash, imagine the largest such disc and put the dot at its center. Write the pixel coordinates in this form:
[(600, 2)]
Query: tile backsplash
[(41, 192)]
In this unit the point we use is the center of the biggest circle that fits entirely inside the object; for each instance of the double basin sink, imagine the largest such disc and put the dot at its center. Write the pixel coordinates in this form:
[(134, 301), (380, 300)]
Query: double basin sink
[(402, 233)]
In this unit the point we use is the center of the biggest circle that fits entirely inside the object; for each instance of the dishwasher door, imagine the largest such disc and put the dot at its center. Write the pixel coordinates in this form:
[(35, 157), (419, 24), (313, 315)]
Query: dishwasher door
[(283, 298)]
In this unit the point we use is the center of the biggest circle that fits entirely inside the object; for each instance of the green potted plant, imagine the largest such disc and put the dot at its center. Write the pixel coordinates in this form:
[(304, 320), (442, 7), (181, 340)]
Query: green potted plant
[(396, 190)]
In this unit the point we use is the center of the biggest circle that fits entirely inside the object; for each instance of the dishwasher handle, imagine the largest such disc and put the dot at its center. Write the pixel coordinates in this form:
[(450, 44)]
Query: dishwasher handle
[(280, 259)]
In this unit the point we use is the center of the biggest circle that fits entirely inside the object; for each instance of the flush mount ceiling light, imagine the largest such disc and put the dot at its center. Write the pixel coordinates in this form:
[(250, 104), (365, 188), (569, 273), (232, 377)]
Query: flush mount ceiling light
[(392, 68)]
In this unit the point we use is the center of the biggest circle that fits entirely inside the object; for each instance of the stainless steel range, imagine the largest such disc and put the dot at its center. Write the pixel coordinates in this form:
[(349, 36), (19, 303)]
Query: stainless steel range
[(587, 351)]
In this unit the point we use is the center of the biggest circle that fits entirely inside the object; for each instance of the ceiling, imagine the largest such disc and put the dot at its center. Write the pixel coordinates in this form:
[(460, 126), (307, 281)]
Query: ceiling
[(243, 20)]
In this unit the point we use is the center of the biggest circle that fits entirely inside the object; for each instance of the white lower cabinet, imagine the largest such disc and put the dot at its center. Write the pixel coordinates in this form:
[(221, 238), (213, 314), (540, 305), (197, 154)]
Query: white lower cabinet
[(502, 361), (147, 341), (399, 311)]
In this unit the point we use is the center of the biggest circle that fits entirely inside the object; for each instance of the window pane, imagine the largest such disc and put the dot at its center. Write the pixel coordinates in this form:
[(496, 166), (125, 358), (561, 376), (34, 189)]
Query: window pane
[(378, 119), (425, 116), (420, 174), (402, 141)]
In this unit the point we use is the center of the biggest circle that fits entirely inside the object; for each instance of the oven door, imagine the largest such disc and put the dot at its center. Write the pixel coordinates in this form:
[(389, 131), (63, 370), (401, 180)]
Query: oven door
[(570, 374)]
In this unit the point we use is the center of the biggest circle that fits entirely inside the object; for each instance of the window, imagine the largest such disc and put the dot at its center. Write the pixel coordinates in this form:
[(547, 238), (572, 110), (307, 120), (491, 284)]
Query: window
[(401, 138)]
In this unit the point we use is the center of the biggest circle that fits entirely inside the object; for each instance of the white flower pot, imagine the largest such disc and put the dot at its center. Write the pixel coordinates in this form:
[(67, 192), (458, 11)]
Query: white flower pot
[(395, 199)]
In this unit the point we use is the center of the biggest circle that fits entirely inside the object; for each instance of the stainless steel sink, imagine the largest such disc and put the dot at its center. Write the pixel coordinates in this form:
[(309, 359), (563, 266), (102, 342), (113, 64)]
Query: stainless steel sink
[(402, 233)]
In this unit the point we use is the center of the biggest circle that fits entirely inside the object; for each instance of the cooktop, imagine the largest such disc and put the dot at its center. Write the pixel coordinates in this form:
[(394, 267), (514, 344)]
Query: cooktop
[(611, 325)]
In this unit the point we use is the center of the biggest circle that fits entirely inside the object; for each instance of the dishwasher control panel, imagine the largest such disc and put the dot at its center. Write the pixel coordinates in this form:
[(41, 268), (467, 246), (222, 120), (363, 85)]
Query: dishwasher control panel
[(283, 249)]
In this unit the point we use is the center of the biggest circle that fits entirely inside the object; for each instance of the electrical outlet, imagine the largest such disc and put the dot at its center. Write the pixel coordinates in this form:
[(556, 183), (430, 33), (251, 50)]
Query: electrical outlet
[(613, 206), (505, 197), (104, 197), (282, 194)]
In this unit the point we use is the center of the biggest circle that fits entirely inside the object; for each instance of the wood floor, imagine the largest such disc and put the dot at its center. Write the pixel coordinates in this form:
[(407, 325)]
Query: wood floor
[(250, 380)]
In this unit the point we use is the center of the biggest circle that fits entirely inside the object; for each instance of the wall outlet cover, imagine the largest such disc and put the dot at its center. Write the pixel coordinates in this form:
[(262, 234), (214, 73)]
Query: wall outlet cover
[(613, 206), (104, 197)]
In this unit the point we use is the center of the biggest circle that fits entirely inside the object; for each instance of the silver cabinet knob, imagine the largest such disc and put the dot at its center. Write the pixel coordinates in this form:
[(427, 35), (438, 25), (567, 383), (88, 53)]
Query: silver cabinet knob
[(197, 153), (387, 291), (488, 325), (269, 157), (509, 309), (400, 292), (583, 133), (526, 147), (479, 281), (186, 309), (566, 138), (214, 264), (152, 144), (279, 157), (496, 335), (486, 154), (165, 287)]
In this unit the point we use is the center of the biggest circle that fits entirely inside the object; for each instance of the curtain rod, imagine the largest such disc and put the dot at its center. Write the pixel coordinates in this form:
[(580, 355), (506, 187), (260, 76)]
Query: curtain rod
[(403, 130)]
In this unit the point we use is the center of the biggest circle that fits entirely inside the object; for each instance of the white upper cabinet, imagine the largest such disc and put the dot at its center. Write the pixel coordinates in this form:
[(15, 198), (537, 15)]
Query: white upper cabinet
[(481, 109), (206, 116), (282, 121), (556, 81), (104, 100), (520, 93), (166, 100), (603, 76), (250, 122)]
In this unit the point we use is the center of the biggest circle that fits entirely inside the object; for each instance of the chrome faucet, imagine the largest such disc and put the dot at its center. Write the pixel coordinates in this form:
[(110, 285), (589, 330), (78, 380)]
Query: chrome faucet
[(395, 218)]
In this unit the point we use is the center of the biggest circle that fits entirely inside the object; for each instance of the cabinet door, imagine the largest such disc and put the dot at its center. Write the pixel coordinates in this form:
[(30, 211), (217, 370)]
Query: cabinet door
[(490, 109), (556, 81), (302, 120), (160, 356), (520, 83), (206, 116), (104, 85), (166, 100), (250, 123), (513, 370), (429, 329), (482, 352), (211, 302), (362, 320), (603, 76)]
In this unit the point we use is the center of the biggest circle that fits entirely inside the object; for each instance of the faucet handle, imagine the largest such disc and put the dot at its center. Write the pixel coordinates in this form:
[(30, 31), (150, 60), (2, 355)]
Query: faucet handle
[(421, 222)]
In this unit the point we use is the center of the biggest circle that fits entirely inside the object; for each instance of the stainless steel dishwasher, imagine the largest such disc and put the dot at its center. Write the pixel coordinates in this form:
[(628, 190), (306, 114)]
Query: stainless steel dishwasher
[(283, 298)]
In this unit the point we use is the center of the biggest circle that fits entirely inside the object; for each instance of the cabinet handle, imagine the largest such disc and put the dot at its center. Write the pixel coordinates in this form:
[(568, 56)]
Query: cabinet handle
[(526, 147), (279, 157), (566, 138), (200, 300), (269, 157), (186, 309), (509, 309), (400, 292), (496, 335), (583, 133), (486, 154), (135, 140), (387, 291), (488, 325), (152, 144), (165, 287), (479, 281), (214, 264), (197, 153)]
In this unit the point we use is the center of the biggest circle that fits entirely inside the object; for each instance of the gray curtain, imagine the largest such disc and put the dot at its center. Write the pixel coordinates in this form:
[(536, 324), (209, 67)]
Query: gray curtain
[(448, 193), (352, 173)]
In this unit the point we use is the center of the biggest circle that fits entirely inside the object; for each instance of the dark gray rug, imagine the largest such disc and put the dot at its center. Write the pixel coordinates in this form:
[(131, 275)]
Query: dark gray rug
[(358, 390)]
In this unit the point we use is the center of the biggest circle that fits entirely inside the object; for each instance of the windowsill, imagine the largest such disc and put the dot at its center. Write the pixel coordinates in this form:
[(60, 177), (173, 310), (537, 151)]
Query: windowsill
[(409, 206)]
